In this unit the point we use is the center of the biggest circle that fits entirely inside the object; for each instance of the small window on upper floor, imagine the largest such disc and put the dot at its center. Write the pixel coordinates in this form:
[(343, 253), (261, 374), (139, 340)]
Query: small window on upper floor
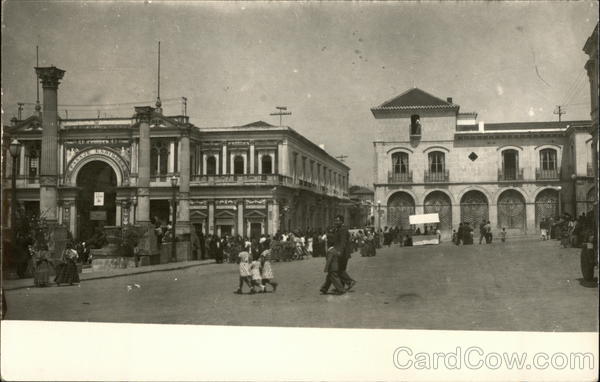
[(415, 125)]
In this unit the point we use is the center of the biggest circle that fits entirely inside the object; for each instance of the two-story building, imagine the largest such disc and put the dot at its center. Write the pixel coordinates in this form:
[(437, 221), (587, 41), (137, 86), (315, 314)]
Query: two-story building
[(430, 157), (110, 172)]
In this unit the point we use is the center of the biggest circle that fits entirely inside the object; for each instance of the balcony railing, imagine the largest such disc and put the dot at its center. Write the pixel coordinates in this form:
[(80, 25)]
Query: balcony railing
[(541, 174), (510, 174), (400, 177), (437, 176)]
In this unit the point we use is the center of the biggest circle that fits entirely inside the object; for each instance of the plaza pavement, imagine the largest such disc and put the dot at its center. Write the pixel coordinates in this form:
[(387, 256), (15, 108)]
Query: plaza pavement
[(522, 285)]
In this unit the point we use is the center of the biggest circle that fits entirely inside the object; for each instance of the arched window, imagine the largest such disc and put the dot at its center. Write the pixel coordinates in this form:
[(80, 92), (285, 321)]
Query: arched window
[(548, 159), (238, 165), (399, 163), (415, 125), (266, 164), (437, 163), (159, 158), (211, 165)]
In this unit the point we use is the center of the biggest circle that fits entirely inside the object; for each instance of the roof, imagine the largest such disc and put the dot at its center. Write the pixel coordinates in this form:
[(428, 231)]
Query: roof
[(415, 99), (533, 125), (360, 190), (258, 124)]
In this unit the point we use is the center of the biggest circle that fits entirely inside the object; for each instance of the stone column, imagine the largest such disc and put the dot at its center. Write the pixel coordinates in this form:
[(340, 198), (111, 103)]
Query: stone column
[(240, 217), (183, 221), (456, 217), (22, 161), (73, 219), (211, 217), (273, 217), (143, 204), (224, 159), (493, 215), (50, 77), (530, 218), (245, 157), (282, 151), (251, 157), (118, 218), (260, 169), (272, 155), (171, 164), (203, 163)]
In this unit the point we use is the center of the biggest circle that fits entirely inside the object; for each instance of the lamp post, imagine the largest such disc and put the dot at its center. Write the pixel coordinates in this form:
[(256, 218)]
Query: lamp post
[(379, 214), (174, 219), (559, 188), (574, 179), (15, 150)]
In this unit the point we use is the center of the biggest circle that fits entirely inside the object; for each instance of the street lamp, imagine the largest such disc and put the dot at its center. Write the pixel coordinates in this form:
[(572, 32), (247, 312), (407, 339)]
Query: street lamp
[(174, 218), (379, 214), (559, 188), (15, 150)]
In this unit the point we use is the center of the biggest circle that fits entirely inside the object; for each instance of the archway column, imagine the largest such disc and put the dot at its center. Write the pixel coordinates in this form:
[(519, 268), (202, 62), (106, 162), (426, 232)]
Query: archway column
[(529, 217), (493, 215)]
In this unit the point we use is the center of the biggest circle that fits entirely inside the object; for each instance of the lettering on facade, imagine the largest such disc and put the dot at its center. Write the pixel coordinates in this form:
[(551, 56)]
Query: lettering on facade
[(256, 203), (198, 204), (97, 151)]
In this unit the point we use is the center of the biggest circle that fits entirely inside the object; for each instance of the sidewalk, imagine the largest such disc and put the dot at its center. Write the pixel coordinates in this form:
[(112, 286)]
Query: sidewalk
[(85, 276)]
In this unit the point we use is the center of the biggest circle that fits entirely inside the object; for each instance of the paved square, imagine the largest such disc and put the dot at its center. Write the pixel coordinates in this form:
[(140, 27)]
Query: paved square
[(525, 285)]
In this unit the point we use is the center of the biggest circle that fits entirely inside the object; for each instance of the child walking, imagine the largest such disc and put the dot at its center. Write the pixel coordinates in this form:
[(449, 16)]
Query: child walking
[(266, 270), (245, 274), (257, 285)]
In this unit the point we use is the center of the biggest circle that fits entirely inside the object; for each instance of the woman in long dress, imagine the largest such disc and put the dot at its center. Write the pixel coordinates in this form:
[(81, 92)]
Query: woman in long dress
[(41, 273), (68, 273)]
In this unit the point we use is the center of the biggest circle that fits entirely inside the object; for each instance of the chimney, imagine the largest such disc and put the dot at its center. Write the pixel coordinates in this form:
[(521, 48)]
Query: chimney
[(481, 125), (449, 99)]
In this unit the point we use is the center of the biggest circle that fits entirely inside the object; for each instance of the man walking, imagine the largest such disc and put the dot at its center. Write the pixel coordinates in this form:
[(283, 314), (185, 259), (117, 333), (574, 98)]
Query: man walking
[(482, 231), (341, 242), (332, 269)]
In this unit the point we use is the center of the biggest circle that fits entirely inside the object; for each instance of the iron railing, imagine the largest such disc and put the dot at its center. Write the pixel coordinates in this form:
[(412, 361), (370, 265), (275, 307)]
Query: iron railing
[(541, 174), (400, 177), (437, 176), (510, 174)]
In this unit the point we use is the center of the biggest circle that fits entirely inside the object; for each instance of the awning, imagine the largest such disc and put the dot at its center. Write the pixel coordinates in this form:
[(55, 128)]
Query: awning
[(424, 219)]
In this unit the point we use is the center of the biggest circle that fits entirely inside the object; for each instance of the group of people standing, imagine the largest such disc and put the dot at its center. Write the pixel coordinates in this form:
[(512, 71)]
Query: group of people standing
[(65, 269)]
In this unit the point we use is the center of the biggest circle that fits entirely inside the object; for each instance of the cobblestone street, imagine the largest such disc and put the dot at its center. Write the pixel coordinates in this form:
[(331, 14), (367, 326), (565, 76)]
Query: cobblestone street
[(526, 285)]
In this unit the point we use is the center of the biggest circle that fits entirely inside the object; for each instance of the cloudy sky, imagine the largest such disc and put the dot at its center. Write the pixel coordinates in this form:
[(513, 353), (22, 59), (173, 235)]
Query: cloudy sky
[(329, 63)]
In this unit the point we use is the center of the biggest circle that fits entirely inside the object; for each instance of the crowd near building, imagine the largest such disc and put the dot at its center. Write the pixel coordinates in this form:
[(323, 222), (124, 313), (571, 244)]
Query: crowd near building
[(250, 180), (432, 158)]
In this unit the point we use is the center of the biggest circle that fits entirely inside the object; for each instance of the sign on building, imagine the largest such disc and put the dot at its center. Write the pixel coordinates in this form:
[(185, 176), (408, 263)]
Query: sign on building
[(98, 198)]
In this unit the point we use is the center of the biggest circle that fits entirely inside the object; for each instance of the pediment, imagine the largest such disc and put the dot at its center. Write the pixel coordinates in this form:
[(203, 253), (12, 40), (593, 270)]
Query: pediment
[(31, 124)]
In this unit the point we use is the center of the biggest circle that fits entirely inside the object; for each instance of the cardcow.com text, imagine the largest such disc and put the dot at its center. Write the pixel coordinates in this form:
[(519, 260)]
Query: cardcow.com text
[(475, 358)]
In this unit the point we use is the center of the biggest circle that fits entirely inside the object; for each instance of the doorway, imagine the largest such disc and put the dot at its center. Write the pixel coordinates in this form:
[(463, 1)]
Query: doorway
[(96, 200)]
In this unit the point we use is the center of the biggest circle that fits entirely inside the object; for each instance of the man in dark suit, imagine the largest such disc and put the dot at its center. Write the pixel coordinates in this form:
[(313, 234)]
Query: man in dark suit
[(341, 242), (332, 258)]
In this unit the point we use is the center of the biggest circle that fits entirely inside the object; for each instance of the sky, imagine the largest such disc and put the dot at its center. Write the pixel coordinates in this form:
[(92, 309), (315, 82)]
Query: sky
[(328, 62)]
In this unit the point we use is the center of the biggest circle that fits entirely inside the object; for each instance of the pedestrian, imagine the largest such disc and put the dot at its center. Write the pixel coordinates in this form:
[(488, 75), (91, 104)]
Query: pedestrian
[(459, 234), (488, 232), (266, 271), (341, 242), (257, 285), (245, 273), (544, 229), (481, 231), (41, 272), (68, 273), (332, 268), (503, 235)]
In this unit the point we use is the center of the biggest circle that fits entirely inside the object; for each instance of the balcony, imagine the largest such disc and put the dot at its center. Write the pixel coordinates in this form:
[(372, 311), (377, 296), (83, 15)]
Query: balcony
[(510, 174), (541, 174), (400, 177), (437, 176)]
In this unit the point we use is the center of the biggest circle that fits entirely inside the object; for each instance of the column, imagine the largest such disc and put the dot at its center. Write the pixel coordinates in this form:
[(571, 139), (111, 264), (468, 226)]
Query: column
[(183, 222), (22, 160), (203, 163), (231, 166), (245, 156), (50, 77), (456, 216), (283, 157), (530, 218), (273, 217), (224, 159), (143, 202), (252, 157), (118, 214), (272, 155), (73, 218), (493, 215), (171, 164), (211, 217), (260, 155), (217, 164), (240, 217)]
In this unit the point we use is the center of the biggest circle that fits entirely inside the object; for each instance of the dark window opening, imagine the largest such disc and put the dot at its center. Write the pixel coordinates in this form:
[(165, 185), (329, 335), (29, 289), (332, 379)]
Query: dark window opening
[(415, 125)]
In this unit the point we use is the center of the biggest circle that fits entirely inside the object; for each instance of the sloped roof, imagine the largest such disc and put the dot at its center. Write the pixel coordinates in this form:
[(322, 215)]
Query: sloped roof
[(415, 99), (258, 124)]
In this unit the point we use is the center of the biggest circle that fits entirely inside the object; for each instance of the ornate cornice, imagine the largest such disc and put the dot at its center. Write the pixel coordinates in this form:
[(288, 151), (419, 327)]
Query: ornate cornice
[(50, 76)]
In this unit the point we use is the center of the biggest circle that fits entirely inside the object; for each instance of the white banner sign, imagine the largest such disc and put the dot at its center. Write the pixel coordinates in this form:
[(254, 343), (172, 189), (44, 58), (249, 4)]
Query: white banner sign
[(98, 198)]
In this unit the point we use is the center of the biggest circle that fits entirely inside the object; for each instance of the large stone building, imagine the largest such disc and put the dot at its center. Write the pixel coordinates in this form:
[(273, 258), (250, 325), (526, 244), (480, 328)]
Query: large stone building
[(430, 157), (247, 180), (591, 67)]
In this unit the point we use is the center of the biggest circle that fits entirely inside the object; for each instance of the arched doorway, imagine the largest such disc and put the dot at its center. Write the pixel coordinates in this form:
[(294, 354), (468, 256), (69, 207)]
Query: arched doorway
[(546, 206), (438, 202), (95, 177), (511, 210), (400, 206), (474, 208)]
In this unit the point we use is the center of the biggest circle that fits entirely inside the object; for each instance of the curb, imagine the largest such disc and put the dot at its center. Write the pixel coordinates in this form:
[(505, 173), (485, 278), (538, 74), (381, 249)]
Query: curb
[(110, 276)]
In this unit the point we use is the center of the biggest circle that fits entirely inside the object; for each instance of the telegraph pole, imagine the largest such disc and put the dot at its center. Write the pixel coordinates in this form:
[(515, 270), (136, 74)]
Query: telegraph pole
[(560, 111), (282, 111), (20, 110)]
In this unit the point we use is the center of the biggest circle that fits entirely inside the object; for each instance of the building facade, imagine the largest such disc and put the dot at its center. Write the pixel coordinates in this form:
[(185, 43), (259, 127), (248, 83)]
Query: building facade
[(81, 174), (430, 157), (591, 67)]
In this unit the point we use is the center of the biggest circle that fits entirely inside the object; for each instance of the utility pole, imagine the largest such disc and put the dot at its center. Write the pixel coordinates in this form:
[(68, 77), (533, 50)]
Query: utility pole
[(342, 157), (560, 111), (282, 111)]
